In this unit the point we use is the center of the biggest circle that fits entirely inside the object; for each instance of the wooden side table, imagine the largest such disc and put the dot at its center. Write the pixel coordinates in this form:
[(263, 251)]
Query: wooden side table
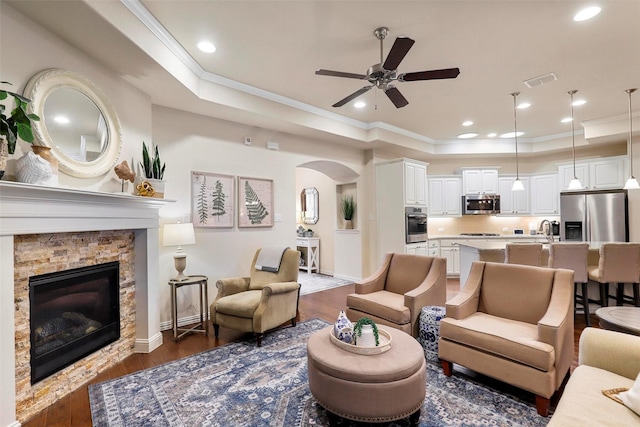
[(310, 254), (203, 326)]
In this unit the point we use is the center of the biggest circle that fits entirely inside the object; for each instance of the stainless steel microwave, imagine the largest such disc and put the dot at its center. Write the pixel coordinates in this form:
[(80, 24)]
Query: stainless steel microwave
[(481, 204)]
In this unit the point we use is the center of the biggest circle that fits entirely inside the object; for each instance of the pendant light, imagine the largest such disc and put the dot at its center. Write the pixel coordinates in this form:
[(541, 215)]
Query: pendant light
[(632, 182), (517, 184), (574, 184)]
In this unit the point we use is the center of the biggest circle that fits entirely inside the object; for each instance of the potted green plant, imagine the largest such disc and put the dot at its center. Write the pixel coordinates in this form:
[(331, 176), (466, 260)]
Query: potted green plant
[(16, 125), (153, 170), (365, 332), (348, 207)]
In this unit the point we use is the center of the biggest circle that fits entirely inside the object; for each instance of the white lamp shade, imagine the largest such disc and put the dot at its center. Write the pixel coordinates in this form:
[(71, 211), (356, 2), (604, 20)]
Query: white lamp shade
[(574, 184), (517, 185), (178, 234), (632, 184)]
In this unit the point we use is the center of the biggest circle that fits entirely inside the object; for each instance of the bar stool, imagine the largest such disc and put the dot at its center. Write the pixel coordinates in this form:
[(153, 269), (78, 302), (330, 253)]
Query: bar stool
[(573, 256), (619, 263), (523, 253)]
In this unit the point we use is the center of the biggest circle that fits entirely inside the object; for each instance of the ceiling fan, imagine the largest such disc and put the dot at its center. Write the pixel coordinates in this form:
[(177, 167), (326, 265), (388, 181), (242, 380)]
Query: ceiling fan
[(381, 75)]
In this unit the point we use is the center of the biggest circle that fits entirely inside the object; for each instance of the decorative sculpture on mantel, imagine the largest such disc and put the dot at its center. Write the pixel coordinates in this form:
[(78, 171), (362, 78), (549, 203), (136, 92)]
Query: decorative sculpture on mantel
[(124, 173)]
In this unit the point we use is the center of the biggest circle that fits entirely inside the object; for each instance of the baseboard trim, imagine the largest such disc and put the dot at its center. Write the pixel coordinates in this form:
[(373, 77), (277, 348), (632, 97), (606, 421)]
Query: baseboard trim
[(182, 321), (350, 278), (147, 346)]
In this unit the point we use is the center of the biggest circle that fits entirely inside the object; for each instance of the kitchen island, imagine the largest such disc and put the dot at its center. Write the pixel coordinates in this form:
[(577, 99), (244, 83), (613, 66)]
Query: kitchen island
[(493, 251)]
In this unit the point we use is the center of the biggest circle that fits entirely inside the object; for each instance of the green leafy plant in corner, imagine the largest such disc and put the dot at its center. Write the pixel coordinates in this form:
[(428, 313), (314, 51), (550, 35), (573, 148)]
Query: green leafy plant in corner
[(152, 166), (18, 123), (348, 207), (357, 328)]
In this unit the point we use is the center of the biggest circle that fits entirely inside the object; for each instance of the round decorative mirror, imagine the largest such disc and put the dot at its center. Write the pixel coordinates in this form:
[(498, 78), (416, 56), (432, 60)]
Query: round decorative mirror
[(76, 120)]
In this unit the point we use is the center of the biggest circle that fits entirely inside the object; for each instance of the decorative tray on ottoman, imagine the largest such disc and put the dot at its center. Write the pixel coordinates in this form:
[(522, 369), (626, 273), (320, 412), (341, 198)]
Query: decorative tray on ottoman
[(383, 336)]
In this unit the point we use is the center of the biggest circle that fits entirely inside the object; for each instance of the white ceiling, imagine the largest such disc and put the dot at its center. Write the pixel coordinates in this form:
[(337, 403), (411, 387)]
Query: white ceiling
[(267, 52)]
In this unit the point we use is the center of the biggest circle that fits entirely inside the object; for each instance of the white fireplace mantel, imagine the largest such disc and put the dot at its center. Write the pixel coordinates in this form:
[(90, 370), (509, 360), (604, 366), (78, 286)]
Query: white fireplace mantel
[(35, 209)]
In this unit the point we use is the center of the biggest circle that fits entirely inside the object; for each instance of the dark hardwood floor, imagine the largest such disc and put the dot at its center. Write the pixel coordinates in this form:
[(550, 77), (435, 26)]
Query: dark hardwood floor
[(74, 410)]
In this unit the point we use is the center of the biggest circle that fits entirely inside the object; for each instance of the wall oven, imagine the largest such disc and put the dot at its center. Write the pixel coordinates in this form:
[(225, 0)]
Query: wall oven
[(481, 204), (415, 225)]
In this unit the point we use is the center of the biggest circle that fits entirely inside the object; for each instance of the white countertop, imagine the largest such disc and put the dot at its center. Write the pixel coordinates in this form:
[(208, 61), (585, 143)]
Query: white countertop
[(540, 237)]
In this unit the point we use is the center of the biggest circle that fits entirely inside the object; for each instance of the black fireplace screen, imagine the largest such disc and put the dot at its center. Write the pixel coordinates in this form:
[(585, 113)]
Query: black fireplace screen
[(73, 313)]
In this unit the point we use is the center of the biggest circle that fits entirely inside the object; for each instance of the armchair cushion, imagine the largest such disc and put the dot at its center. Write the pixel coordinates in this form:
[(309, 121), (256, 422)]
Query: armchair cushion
[(512, 339), (405, 273), (242, 304), (384, 304)]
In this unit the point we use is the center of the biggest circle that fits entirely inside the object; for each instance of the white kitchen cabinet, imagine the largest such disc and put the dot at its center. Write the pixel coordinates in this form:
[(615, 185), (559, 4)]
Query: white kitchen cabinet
[(600, 174), (450, 250), (514, 202), (391, 198), (609, 173), (480, 181), (417, 249), (544, 195), (433, 248), (445, 196), (415, 184)]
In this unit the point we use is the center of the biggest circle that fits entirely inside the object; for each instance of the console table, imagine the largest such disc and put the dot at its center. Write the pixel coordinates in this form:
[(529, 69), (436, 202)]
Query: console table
[(310, 249)]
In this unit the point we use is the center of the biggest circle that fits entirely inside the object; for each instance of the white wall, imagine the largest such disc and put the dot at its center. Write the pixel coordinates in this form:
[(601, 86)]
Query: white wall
[(190, 142)]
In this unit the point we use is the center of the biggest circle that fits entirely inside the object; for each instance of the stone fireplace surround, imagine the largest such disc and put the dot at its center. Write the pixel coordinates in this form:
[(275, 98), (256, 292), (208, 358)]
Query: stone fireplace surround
[(33, 209)]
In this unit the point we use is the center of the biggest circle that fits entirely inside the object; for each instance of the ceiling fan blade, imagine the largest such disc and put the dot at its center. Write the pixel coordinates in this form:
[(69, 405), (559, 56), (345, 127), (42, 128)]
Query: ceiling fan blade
[(340, 74), (353, 96), (397, 53), (395, 96), (447, 73)]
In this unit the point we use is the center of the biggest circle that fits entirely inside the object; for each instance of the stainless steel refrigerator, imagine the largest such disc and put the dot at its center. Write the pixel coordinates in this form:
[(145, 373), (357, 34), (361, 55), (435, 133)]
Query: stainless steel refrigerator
[(594, 216)]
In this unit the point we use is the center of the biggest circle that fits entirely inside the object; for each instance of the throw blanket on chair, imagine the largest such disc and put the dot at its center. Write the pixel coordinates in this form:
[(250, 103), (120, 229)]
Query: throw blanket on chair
[(270, 257)]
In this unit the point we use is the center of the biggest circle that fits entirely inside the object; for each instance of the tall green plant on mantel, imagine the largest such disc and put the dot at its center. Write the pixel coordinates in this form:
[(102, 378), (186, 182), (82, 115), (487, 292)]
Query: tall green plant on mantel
[(151, 165), (18, 123)]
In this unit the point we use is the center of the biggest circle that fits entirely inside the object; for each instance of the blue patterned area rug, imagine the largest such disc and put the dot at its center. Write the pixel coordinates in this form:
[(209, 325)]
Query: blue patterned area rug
[(242, 385), (314, 282)]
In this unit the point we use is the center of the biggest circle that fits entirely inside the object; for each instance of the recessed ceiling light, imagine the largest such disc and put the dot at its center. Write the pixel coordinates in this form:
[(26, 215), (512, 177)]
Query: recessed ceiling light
[(468, 135), (566, 120), (360, 104), (492, 135), (523, 105), (61, 120), (467, 123), (579, 102), (511, 134), (587, 13), (207, 47)]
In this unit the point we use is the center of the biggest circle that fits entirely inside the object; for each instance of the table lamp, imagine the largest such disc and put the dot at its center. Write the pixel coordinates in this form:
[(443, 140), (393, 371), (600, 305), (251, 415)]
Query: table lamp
[(177, 235)]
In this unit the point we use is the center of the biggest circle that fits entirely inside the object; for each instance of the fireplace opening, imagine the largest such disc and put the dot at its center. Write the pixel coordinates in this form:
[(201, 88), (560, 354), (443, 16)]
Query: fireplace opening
[(73, 313)]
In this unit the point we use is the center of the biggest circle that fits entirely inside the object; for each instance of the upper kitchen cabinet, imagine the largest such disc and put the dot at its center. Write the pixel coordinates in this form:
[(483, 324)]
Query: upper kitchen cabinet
[(514, 202), (544, 194), (403, 176), (415, 184), (480, 181), (445, 196), (600, 174)]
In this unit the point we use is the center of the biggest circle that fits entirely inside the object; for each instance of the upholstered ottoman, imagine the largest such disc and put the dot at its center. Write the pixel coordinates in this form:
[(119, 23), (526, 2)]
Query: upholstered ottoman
[(372, 388), (429, 330)]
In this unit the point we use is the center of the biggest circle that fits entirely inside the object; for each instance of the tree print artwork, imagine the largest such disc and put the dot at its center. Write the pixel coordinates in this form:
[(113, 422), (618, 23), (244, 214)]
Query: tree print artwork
[(213, 199), (255, 202)]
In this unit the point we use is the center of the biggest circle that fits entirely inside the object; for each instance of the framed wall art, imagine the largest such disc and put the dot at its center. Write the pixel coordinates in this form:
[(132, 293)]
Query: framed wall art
[(255, 202), (212, 200)]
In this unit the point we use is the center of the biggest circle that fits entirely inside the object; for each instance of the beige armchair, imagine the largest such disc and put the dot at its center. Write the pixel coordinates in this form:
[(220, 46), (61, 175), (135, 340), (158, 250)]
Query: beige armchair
[(261, 302), (397, 291), (514, 323)]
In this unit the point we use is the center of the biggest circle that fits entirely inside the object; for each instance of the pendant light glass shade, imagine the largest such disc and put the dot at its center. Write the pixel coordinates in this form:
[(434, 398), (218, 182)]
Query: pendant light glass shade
[(574, 184), (517, 184), (632, 182)]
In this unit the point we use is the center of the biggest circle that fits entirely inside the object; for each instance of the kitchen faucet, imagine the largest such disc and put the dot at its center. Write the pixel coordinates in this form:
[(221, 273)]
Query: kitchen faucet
[(547, 232)]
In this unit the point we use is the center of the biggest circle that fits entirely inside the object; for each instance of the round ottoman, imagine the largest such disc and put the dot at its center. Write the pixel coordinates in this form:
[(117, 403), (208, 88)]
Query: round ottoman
[(371, 388)]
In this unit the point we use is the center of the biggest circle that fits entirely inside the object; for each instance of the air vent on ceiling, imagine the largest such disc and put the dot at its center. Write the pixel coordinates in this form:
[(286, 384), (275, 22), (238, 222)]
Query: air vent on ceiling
[(540, 80)]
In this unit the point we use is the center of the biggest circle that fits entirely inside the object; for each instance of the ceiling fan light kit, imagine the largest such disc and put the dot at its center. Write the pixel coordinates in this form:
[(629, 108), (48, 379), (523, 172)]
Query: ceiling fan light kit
[(382, 75)]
